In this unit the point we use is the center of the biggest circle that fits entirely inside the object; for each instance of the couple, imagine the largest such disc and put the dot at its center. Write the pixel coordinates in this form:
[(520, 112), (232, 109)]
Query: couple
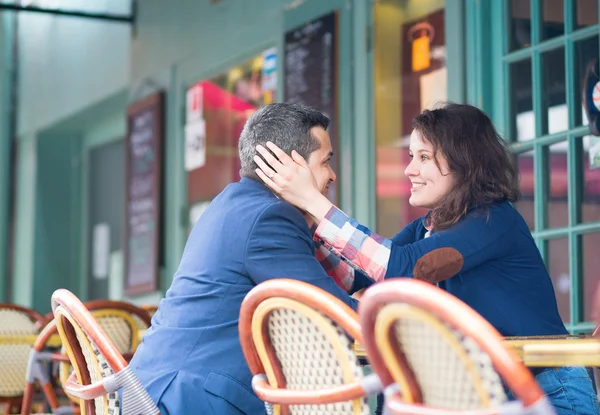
[(190, 360)]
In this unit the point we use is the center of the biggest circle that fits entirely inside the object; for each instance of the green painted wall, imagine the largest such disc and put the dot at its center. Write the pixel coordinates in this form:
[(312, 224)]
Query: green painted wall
[(5, 56), (73, 75), (57, 215), (67, 64)]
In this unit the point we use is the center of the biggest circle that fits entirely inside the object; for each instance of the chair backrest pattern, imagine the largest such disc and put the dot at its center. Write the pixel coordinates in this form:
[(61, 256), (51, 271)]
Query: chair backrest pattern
[(439, 351), (451, 369), (311, 351), (17, 324), (121, 328)]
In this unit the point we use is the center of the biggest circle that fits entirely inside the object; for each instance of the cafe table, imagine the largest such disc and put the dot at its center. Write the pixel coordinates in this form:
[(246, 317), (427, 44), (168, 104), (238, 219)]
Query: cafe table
[(546, 351)]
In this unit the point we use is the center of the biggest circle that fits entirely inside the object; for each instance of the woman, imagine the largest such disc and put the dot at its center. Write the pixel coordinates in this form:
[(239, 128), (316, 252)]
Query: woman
[(472, 243)]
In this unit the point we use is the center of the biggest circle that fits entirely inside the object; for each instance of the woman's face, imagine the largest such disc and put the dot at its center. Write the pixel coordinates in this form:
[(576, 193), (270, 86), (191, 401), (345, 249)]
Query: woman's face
[(429, 183)]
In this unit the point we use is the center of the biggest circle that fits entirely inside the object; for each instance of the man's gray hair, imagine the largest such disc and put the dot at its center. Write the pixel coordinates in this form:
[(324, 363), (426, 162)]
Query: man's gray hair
[(285, 125)]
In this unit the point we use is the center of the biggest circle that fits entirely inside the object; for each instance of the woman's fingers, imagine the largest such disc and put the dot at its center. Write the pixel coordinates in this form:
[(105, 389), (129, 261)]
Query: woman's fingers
[(281, 155), (270, 158), (264, 167), (270, 183), (296, 157)]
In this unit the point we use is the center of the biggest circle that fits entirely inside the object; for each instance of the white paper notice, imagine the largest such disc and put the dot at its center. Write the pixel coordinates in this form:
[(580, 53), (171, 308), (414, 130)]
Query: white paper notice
[(101, 250), (195, 145), (194, 104), (434, 88)]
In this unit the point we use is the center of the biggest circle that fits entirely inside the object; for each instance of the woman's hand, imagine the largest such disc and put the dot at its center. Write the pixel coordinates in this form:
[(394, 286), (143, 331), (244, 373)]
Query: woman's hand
[(289, 177)]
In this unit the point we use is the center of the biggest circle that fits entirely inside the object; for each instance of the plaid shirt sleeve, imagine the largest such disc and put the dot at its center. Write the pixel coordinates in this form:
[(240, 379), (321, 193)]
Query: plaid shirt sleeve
[(366, 250), (340, 271)]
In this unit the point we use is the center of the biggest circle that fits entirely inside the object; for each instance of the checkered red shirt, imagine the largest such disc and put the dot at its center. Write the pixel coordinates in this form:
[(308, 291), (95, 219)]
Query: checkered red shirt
[(335, 267), (353, 242)]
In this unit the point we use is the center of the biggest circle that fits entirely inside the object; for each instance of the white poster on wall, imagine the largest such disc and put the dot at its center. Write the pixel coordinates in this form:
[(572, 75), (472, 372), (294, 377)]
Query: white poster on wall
[(434, 88), (194, 104), (100, 250), (195, 145)]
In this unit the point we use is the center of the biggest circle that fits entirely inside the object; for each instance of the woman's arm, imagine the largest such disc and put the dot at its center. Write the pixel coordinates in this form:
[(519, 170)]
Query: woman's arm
[(475, 239)]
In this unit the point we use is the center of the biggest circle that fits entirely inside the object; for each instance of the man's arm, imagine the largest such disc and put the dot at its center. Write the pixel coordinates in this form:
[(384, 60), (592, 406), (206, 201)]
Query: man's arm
[(280, 246)]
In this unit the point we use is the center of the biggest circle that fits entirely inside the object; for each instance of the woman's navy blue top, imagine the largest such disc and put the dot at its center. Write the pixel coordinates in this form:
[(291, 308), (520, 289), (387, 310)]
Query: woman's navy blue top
[(503, 276)]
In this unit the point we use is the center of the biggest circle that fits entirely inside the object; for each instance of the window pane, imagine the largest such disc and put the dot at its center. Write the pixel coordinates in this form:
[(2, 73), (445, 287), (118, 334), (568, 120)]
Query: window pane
[(520, 34), (526, 205), (590, 178), (523, 119), (586, 51), (553, 92), (410, 75), (586, 13), (553, 14), (557, 212), (558, 267), (591, 277)]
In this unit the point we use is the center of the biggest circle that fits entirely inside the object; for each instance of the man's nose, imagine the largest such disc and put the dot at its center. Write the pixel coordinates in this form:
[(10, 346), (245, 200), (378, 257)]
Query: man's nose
[(332, 175)]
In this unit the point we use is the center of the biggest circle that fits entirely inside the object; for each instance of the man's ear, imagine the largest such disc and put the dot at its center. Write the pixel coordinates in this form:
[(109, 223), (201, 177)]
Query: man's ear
[(438, 265)]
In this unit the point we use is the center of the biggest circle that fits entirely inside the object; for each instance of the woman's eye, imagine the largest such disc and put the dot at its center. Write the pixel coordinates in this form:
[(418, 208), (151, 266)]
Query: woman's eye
[(424, 157)]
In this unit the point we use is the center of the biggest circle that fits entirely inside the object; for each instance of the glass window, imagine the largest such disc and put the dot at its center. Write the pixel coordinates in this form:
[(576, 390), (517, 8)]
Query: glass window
[(223, 104), (553, 15), (546, 72), (558, 266), (410, 75), (526, 205), (586, 51), (554, 97), (522, 126), (585, 13), (557, 212), (589, 177), (591, 264), (520, 23)]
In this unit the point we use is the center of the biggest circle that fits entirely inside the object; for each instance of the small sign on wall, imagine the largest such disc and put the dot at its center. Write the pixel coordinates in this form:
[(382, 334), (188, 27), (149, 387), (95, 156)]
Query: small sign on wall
[(195, 145), (194, 104), (101, 251)]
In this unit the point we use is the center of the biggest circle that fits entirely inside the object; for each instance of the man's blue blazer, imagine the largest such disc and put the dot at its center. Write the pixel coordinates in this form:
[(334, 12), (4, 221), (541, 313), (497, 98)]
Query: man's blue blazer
[(190, 360)]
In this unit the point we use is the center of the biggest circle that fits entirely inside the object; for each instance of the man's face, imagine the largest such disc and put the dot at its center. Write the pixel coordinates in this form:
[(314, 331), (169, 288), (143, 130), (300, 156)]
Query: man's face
[(318, 160)]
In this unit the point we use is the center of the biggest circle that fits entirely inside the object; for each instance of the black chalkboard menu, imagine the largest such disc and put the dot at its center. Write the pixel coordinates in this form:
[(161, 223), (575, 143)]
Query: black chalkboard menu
[(143, 187), (310, 73)]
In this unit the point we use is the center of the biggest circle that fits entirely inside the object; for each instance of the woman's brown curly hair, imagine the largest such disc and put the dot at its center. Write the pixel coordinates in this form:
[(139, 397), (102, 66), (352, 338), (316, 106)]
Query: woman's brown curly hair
[(483, 167)]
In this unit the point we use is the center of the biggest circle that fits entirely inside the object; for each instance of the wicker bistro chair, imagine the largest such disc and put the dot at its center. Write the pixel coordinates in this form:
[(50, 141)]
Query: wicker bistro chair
[(122, 329), (436, 355), (100, 369), (139, 314), (18, 329), (293, 336), (150, 309)]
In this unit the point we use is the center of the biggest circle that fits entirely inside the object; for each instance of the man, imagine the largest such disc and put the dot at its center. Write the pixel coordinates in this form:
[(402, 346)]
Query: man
[(191, 360)]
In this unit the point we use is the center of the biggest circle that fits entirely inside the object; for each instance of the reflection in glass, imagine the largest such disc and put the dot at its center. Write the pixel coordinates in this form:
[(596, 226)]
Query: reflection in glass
[(557, 208), (590, 179), (585, 13), (557, 263), (410, 75), (226, 101), (553, 14), (526, 205), (586, 50), (523, 119), (591, 277), (520, 33), (554, 99)]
